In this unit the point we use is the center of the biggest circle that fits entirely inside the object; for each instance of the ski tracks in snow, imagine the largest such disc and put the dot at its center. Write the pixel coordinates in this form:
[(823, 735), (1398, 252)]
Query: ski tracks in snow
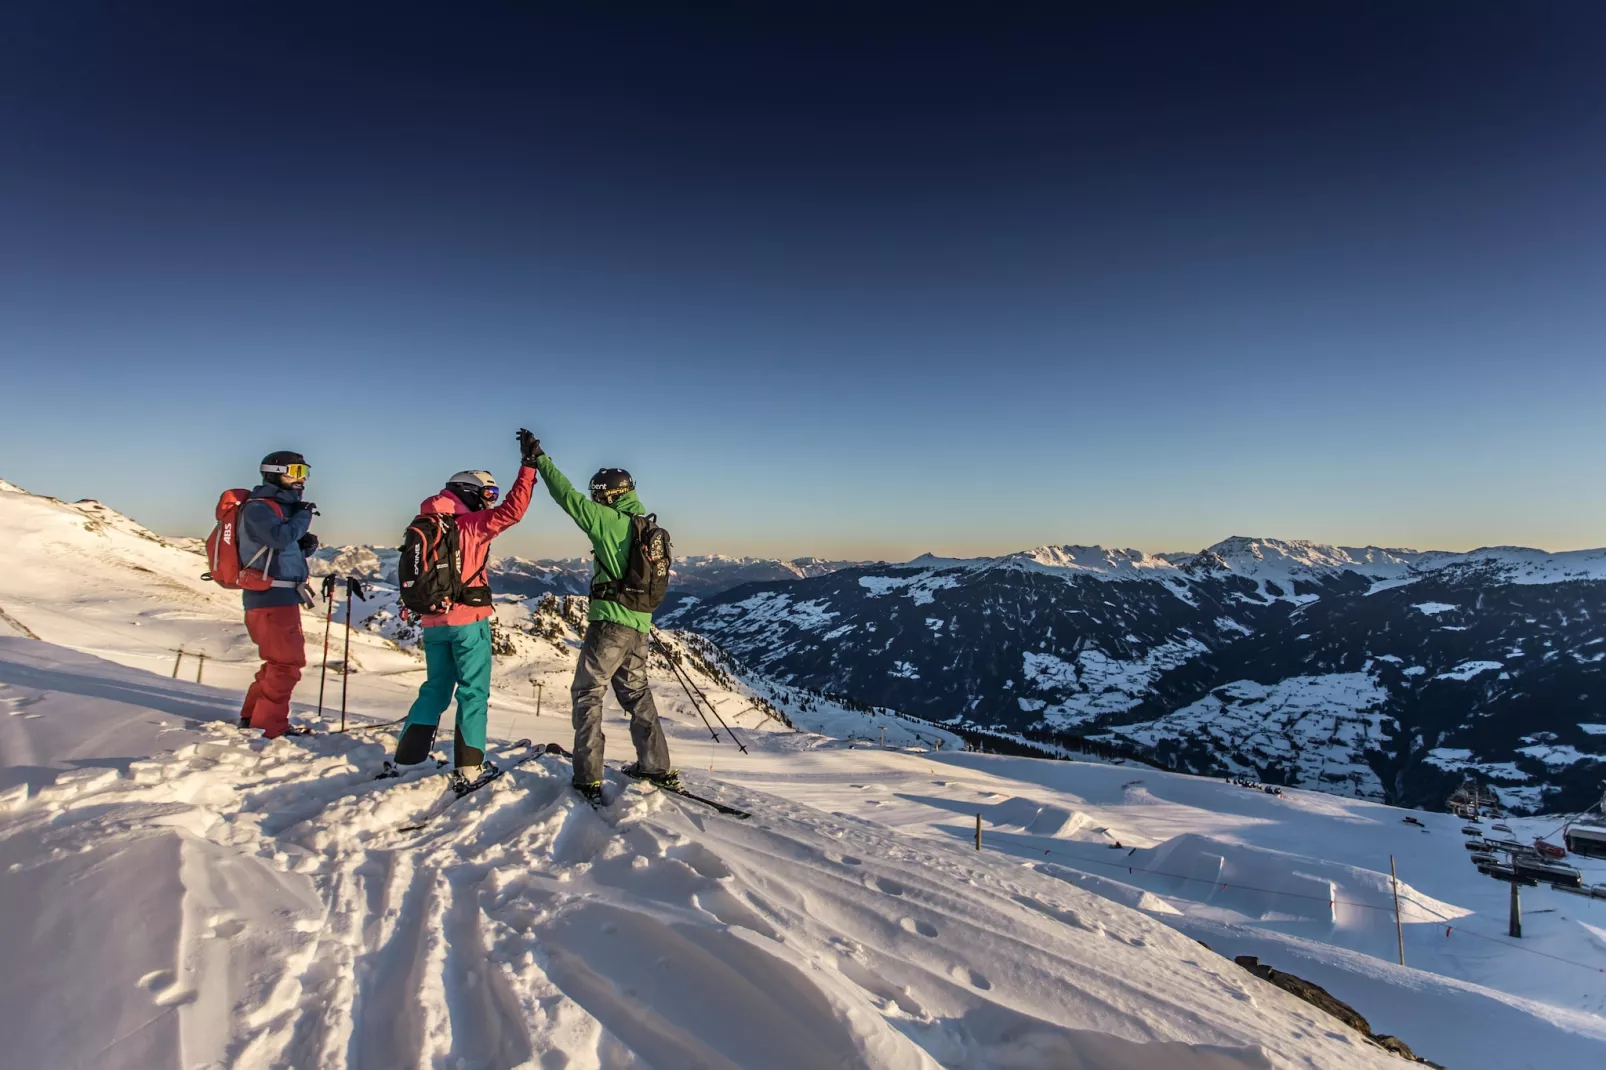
[(524, 929)]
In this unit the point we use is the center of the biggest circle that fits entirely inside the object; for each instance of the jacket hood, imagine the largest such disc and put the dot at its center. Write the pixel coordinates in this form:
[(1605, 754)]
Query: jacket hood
[(629, 504), (443, 502)]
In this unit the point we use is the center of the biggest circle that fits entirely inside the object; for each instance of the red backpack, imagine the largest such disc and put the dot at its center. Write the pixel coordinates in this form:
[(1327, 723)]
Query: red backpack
[(223, 546)]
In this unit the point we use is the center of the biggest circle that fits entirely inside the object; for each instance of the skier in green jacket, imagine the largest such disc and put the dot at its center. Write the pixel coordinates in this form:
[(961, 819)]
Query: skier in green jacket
[(615, 647)]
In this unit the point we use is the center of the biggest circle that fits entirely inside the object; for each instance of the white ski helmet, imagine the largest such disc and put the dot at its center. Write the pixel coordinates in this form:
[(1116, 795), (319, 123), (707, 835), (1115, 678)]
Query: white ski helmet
[(476, 487)]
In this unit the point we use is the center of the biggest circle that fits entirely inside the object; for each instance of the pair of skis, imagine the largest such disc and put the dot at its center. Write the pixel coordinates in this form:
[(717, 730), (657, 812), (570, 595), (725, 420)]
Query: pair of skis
[(459, 788), (459, 791), (713, 804)]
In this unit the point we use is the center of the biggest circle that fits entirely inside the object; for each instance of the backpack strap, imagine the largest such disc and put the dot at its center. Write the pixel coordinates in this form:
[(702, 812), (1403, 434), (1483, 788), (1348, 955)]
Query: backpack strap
[(608, 589), (278, 508)]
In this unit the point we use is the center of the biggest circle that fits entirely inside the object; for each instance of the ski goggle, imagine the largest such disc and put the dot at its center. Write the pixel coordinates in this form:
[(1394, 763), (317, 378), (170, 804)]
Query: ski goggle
[(293, 473), (489, 493)]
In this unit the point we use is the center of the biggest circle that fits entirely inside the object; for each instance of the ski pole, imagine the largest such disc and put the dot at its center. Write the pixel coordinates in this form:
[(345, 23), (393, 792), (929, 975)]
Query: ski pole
[(711, 709), (664, 651), (353, 591), (329, 582)]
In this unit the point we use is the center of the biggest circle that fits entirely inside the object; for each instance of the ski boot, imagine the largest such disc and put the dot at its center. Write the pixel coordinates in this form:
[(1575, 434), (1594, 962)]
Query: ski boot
[(669, 780), (591, 793), (465, 779)]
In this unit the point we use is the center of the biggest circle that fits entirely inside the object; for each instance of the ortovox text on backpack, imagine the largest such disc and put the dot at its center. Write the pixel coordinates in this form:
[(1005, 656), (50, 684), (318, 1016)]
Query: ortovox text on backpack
[(646, 580), (223, 547), (431, 568)]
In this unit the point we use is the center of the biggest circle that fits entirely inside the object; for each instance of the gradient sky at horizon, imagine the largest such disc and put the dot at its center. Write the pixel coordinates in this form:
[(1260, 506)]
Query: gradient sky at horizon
[(851, 282)]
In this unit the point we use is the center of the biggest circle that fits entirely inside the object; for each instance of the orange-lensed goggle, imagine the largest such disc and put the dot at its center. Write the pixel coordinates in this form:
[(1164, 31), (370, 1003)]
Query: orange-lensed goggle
[(292, 473)]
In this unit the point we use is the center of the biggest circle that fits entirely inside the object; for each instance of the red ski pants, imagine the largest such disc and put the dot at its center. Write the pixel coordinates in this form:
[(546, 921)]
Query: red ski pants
[(276, 630)]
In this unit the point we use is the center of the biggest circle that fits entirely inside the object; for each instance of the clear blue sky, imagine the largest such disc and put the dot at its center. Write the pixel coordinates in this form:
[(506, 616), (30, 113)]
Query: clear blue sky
[(832, 284)]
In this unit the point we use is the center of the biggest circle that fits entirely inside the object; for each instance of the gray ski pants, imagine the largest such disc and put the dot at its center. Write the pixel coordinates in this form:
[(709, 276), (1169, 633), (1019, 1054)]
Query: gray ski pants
[(616, 653)]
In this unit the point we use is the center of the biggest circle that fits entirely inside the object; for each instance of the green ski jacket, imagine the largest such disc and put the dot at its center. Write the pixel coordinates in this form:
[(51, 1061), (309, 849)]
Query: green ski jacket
[(608, 527)]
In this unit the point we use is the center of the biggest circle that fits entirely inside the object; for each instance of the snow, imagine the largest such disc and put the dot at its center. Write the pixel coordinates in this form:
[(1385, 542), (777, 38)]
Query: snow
[(1434, 608), (1557, 756), (201, 897), (284, 921), (1096, 683), (1317, 727), (921, 586), (1593, 729), (1468, 669), (774, 607), (1070, 562)]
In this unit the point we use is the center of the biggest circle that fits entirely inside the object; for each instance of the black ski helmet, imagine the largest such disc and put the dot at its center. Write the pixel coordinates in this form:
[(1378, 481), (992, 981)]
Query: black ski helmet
[(611, 484), (275, 467)]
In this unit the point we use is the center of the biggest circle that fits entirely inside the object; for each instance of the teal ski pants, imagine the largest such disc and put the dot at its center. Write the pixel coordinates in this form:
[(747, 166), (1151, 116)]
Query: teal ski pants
[(458, 657)]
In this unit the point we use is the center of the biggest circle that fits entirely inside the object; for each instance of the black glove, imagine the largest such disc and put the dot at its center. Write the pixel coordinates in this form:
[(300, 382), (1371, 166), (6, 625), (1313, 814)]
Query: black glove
[(355, 590), (308, 544), (329, 583), (530, 446), (296, 507)]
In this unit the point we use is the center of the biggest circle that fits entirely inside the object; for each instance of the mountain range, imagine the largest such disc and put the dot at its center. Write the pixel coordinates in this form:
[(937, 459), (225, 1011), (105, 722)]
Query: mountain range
[(1383, 673)]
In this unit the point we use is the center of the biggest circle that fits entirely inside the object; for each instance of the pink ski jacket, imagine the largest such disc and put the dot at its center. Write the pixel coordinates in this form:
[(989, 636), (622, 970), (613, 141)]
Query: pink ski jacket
[(476, 530)]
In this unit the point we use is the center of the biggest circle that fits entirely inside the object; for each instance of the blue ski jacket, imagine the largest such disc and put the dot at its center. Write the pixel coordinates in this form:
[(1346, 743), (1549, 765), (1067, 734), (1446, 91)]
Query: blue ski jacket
[(263, 532)]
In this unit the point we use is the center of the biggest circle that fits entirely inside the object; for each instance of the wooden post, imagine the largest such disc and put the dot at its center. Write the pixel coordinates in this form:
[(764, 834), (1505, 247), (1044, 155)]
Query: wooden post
[(200, 667), (1516, 910), (177, 662), (537, 684), (1399, 932), (978, 832), (883, 738)]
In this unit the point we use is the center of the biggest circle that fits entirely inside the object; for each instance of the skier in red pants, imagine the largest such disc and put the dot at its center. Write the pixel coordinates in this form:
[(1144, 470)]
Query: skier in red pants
[(274, 538)]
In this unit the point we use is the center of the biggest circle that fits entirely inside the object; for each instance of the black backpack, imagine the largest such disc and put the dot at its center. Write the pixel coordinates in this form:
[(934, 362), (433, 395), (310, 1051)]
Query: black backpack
[(431, 567), (646, 578)]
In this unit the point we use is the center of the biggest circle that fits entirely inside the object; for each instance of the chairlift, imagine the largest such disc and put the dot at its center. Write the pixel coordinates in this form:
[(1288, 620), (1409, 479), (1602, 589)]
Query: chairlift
[(1506, 873), (1503, 828), (1548, 872), (1484, 858), (1471, 831), (1477, 845), (1549, 850)]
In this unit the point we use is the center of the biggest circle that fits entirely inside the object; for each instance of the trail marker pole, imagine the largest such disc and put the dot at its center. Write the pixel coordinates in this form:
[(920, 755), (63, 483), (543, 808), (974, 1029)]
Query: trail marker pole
[(1516, 911), (978, 832), (1399, 932), (200, 667), (177, 662), (538, 686)]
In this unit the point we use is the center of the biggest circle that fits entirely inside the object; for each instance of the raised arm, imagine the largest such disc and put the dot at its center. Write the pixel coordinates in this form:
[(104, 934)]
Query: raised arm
[(581, 509), (507, 512)]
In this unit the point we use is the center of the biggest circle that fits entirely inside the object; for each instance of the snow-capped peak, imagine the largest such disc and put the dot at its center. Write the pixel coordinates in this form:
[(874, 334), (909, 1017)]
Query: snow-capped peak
[(1094, 560), (1273, 559)]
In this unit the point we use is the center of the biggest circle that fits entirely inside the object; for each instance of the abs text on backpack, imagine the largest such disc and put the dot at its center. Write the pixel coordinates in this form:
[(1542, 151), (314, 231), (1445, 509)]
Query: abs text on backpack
[(431, 568), (223, 547), (646, 580)]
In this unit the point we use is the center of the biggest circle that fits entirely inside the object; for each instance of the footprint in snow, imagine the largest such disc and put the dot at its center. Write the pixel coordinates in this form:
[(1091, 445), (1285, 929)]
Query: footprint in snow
[(967, 976), (917, 928), (890, 887)]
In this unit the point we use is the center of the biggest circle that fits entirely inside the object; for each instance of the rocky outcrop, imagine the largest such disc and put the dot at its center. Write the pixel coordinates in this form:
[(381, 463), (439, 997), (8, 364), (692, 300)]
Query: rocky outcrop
[(1319, 997)]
